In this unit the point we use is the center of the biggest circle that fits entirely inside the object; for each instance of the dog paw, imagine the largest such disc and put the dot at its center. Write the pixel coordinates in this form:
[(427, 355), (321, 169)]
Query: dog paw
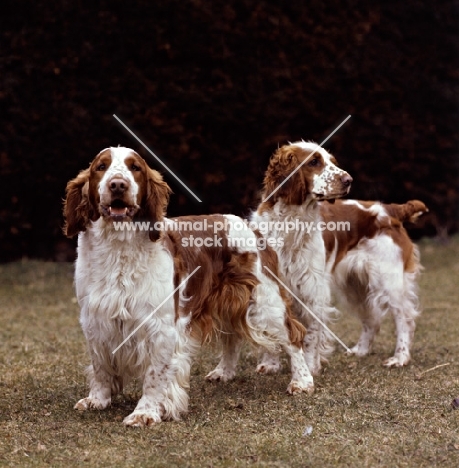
[(91, 403), (142, 418), (296, 387), (270, 367), (396, 361), (219, 375), (357, 351)]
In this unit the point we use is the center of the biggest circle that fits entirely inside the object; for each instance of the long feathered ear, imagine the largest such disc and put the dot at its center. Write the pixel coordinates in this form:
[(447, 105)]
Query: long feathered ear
[(156, 201), (282, 164), (77, 208)]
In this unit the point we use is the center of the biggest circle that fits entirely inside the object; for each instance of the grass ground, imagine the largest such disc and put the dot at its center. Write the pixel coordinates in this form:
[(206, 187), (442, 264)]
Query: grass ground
[(361, 415)]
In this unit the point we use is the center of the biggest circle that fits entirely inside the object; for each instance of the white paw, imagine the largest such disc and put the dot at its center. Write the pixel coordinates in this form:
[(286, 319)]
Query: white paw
[(301, 386), (220, 375), (397, 361), (91, 403), (358, 351), (142, 418), (268, 367)]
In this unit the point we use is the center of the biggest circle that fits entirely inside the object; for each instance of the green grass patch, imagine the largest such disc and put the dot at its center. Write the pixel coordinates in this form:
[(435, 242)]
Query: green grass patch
[(361, 415)]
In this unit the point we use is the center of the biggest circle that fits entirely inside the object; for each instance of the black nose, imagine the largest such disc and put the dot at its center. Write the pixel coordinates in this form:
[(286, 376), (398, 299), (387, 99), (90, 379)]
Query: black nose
[(346, 180), (118, 186)]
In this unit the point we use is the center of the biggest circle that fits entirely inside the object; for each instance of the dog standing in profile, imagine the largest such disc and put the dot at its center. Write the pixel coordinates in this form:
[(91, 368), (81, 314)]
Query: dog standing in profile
[(148, 299)]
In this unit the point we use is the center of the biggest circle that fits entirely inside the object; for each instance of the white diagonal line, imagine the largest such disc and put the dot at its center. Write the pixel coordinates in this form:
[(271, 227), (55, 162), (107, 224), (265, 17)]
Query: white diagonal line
[(310, 311), (160, 305), (308, 158), (156, 157)]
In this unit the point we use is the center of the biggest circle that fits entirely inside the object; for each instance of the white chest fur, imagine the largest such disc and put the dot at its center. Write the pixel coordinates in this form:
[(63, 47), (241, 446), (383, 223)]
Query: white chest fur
[(119, 284)]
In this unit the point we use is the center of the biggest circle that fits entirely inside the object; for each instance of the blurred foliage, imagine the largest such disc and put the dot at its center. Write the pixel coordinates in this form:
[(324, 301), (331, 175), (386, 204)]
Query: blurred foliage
[(212, 88)]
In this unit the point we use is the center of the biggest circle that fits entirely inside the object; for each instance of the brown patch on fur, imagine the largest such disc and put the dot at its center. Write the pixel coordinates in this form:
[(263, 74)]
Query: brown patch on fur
[(220, 291), (364, 224)]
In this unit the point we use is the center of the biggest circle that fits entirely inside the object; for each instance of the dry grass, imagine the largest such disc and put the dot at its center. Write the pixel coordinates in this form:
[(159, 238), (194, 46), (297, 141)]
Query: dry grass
[(362, 414)]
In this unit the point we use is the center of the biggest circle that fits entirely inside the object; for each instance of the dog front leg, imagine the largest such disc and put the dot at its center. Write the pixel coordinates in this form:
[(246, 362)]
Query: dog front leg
[(165, 384), (100, 389)]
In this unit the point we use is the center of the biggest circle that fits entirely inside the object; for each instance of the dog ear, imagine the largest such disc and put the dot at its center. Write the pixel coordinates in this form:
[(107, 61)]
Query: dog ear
[(279, 180), (156, 201), (78, 210)]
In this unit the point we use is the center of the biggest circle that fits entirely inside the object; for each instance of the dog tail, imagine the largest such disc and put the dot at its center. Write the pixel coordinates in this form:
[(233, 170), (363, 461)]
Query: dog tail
[(409, 211)]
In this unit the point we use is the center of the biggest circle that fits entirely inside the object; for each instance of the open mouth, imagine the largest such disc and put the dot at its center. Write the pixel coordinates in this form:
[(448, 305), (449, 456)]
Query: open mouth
[(118, 209)]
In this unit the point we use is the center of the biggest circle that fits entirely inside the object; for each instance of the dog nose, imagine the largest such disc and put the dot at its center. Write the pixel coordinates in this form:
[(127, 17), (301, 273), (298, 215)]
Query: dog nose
[(346, 180), (118, 186)]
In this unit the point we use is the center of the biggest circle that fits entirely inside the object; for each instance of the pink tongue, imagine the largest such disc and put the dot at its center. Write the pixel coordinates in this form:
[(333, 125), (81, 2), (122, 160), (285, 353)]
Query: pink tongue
[(118, 211)]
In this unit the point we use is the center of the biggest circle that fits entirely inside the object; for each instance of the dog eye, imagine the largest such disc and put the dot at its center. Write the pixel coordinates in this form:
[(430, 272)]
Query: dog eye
[(135, 168), (313, 162), (101, 167)]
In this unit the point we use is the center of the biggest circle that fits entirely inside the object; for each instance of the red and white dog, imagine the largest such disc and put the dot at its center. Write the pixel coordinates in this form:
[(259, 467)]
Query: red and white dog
[(373, 267), (298, 177), (141, 316), (369, 268)]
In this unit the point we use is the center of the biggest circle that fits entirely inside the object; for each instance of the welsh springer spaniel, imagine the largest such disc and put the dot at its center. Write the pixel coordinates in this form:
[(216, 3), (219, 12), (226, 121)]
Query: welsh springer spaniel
[(374, 267), (138, 318), (299, 175)]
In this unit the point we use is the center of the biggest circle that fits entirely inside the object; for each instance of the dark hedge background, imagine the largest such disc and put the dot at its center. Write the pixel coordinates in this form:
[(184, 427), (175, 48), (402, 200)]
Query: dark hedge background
[(212, 87)]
